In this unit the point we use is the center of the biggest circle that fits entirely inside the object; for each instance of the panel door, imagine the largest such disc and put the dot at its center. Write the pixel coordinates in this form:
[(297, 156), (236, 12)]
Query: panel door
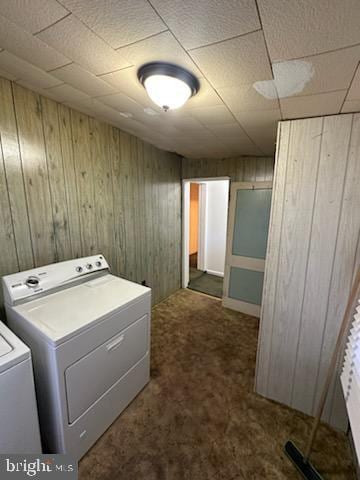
[(249, 216)]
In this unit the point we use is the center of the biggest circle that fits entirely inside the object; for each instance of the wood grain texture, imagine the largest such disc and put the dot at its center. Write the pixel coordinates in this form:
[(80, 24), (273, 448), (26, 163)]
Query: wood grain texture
[(313, 251), (14, 176), (272, 260), (35, 172), (239, 169), (56, 178), (300, 188), (71, 186)]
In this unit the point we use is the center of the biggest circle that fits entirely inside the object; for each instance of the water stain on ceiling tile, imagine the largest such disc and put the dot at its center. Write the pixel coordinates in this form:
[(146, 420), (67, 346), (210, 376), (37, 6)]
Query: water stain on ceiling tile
[(290, 78)]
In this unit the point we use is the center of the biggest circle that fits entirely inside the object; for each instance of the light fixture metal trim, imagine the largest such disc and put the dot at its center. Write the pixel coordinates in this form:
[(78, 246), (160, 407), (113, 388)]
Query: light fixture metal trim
[(170, 70)]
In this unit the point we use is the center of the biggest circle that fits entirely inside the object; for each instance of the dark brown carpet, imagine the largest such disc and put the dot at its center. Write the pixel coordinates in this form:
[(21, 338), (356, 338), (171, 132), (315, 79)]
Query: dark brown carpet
[(199, 419)]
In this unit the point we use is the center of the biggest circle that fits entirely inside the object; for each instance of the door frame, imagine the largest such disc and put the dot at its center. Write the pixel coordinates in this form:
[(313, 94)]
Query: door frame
[(201, 265), (256, 264), (185, 220)]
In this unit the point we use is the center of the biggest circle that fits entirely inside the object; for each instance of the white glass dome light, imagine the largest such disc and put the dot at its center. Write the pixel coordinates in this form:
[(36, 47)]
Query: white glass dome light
[(168, 86)]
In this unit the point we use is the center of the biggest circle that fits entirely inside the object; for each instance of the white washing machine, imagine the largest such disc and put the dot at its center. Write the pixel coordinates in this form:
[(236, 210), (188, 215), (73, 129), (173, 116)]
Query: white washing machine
[(89, 333), (19, 424)]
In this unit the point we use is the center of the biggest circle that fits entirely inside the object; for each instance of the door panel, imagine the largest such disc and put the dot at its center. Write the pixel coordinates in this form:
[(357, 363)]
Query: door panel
[(253, 210), (246, 285), (249, 215)]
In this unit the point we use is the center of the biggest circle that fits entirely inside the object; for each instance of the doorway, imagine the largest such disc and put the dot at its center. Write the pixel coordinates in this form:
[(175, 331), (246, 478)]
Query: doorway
[(205, 207)]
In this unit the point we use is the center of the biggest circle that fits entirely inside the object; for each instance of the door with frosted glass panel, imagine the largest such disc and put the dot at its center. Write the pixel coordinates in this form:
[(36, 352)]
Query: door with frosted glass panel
[(249, 215)]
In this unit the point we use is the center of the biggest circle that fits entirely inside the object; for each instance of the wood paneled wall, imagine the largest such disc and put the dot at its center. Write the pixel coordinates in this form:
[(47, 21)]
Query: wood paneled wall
[(239, 169), (73, 186), (313, 251)]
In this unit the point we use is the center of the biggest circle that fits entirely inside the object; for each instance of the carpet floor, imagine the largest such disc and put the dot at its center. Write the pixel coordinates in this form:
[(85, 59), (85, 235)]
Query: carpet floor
[(198, 418), (206, 283)]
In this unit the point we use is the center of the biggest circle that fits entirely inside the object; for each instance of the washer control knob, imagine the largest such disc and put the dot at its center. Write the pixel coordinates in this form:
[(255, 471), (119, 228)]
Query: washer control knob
[(89, 266), (79, 269), (32, 282), (98, 263)]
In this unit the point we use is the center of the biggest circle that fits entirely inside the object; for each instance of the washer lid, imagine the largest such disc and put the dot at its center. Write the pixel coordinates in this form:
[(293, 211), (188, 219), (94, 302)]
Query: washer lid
[(5, 347), (12, 349), (65, 313)]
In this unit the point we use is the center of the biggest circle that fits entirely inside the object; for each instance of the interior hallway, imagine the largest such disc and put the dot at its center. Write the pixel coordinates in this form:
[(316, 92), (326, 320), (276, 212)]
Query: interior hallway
[(206, 283), (199, 417)]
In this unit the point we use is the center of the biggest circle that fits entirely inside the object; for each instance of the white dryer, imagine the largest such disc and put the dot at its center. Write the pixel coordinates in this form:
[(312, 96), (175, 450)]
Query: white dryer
[(89, 333), (19, 423)]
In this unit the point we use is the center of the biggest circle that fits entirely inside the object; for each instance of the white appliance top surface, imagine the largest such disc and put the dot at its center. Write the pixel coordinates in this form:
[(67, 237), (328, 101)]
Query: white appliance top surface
[(5, 347), (65, 313), (12, 349)]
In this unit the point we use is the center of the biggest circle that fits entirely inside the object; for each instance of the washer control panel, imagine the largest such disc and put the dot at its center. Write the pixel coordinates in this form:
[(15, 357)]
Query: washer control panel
[(32, 281), (19, 286)]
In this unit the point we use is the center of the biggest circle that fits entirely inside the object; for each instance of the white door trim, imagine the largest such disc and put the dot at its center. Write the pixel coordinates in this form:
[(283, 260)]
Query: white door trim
[(201, 260), (185, 233)]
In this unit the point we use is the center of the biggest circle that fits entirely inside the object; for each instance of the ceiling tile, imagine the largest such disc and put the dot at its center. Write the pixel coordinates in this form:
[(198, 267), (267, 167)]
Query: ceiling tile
[(83, 109), (26, 71), (26, 46), (351, 106), (118, 22), (80, 44), (258, 118), (159, 124), (35, 88), (235, 62), (264, 137), (67, 93), (7, 75), (212, 115), (83, 80), (332, 71), (203, 135), (123, 103), (241, 147), (126, 81), (206, 97), (230, 131), (295, 29), (244, 98), (312, 105), (137, 128), (199, 23), (93, 107), (354, 91), (33, 15), (163, 48), (184, 123)]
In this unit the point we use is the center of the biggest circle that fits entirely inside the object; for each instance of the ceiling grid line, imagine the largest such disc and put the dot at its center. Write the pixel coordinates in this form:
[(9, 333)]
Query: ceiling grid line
[(348, 90), (189, 54), (86, 54), (236, 121), (221, 41), (52, 24), (268, 54)]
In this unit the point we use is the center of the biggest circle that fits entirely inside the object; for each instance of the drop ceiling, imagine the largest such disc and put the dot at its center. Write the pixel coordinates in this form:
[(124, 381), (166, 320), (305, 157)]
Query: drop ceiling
[(257, 63)]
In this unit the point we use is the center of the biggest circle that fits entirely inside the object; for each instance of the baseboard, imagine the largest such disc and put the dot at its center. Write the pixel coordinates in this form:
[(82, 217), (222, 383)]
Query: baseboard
[(243, 307), (213, 272)]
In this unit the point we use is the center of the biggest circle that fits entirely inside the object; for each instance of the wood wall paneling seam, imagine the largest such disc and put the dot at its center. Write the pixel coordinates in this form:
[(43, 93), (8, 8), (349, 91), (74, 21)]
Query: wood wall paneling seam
[(72, 186)]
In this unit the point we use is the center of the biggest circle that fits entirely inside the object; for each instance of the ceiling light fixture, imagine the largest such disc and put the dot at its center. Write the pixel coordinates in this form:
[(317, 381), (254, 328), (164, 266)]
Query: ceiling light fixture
[(168, 85)]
